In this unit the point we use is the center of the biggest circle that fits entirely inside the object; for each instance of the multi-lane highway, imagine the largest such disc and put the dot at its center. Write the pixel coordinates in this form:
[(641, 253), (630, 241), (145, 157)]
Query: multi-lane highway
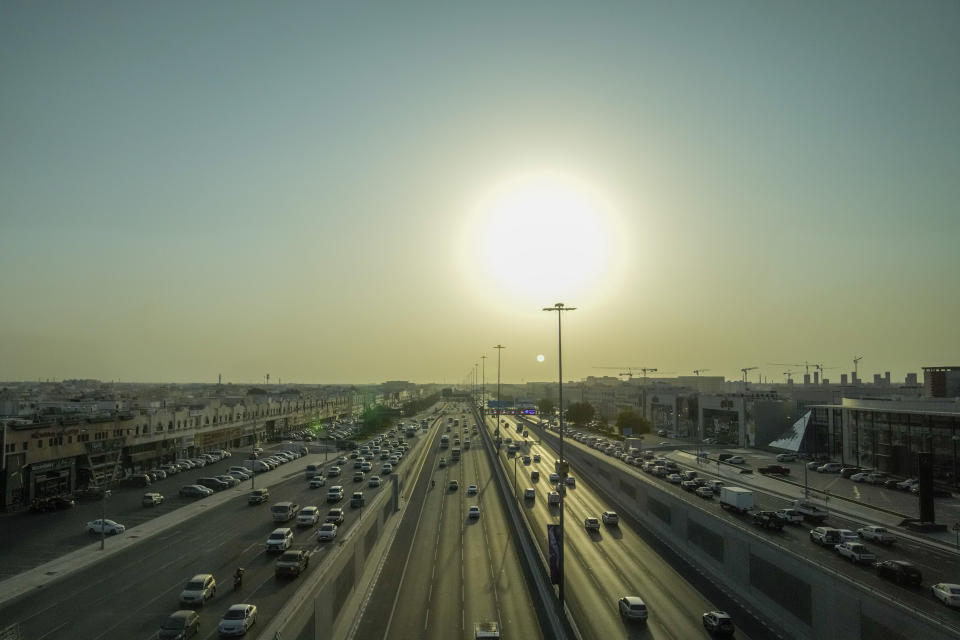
[(129, 593), (605, 565), (457, 570)]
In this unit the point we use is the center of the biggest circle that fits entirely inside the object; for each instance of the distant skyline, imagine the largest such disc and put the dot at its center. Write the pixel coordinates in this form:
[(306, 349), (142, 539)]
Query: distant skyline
[(350, 194)]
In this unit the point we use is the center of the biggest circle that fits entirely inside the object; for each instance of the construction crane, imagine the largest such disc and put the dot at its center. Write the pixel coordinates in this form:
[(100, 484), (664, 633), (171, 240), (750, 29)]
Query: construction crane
[(805, 365), (789, 375), (856, 361), (744, 370), (629, 370), (699, 371), (822, 368)]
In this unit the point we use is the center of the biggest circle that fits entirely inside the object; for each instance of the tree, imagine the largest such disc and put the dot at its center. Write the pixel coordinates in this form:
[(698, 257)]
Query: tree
[(630, 419), (546, 407), (580, 413)]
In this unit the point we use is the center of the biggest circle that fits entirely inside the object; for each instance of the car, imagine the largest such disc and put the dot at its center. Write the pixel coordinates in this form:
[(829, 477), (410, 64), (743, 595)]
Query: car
[(151, 499), (830, 467), (258, 496), (705, 492), (905, 485), (473, 511), (768, 520), (610, 518), (453, 485), (790, 516), (198, 590), (736, 460), (947, 593), (308, 516), (535, 476), (899, 571), (357, 500), (846, 472), (373, 481), (327, 531), (814, 465), (718, 623), (774, 469), (442, 462), (876, 534), (365, 466), (237, 620), (855, 552), (358, 476), (335, 516), (179, 625), (333, 472), (239, 475), (689, 485), (529, 494), (674, 478), (195, 491), (591, 524), (633, 608), (472, 490), (108, 527), (280, 539), (554, 478), (386, 469), (293, 562), (553, 498), (231, 481), (846, 535), (877, 477), (860, 476), (536, 457), (825, 536), (335, 493), (570, 481)]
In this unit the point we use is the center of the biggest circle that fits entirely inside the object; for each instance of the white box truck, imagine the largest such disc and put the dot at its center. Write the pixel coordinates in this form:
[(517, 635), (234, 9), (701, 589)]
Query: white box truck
[(736, 498)]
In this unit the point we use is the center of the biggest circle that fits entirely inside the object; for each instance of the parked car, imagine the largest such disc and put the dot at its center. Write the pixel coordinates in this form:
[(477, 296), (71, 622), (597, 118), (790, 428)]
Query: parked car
[(786, 457), (736, 460), (195, 491), (107, 526), (151, 499), (774, 469), (900, 571), (846, 472), (830, 467)]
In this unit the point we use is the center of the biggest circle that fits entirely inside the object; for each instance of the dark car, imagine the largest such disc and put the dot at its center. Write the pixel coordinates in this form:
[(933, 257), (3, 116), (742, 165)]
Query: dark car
[(768, 520), (718, 623), (180, 625), (900, 571), (724, 456), (846, 472), (775, 469), (63, 502), (293, 562), (213, 483)]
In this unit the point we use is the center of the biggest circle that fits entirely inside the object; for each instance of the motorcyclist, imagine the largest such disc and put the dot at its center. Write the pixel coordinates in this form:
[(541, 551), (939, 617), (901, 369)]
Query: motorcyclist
[(237, 577)]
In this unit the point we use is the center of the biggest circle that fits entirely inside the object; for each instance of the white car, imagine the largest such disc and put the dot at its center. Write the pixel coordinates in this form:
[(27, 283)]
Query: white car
[(846, 535), (317, 481), (674, 478), (736, 460), (633, 608), (786, 457), (474, 511), (280, 539), (373, 481), (876, 534), (610, 518), (327, 531), (860, 477), (472, 490), (529, 493), (308, 516), (947, 593), (109, 527), (237, 620)]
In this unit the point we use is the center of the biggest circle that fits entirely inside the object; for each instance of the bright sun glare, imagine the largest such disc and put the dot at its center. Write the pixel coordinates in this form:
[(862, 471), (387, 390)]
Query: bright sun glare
[(543, 236)]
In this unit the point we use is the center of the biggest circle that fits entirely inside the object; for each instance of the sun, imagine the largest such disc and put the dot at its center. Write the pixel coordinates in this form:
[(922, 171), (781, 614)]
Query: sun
[(542, 236)]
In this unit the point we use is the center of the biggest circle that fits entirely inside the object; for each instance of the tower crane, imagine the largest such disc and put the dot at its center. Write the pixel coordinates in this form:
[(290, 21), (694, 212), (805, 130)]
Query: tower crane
[(699, 371), (805, 365), (744, 370), (629, 370), (856, 361)]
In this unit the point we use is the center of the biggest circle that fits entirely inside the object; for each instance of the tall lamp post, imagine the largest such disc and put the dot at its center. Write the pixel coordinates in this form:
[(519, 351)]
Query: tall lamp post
[(562, 467), (496, 431), (483, 389)]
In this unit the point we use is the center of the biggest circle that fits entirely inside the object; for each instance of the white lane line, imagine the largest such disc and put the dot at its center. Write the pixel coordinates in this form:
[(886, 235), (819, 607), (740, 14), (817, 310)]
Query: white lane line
[(426, 619)]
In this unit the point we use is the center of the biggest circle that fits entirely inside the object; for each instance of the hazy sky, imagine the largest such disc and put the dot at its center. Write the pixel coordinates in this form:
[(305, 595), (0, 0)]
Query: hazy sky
[(353, 192)]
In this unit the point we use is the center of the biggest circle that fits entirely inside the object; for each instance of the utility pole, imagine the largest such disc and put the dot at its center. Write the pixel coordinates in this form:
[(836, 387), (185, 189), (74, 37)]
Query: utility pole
[(483, 389), (496, 432), (562, 467)]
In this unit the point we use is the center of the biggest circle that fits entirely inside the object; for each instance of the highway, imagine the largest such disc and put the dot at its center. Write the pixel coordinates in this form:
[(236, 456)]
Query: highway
[(128, 594), (936, 563), (455, 570), (603, 566)]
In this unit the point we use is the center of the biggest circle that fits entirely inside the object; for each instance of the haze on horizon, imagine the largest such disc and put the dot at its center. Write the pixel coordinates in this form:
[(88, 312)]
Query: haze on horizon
[(356, 193)]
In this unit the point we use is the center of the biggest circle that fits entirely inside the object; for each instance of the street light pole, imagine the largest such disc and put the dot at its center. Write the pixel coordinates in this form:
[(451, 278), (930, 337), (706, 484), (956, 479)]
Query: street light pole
[(483, 389), (560, 308), (496, 432)]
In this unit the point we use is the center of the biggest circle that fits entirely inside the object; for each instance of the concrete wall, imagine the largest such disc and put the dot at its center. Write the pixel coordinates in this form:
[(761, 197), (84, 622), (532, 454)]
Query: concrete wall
[(800, 598)]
